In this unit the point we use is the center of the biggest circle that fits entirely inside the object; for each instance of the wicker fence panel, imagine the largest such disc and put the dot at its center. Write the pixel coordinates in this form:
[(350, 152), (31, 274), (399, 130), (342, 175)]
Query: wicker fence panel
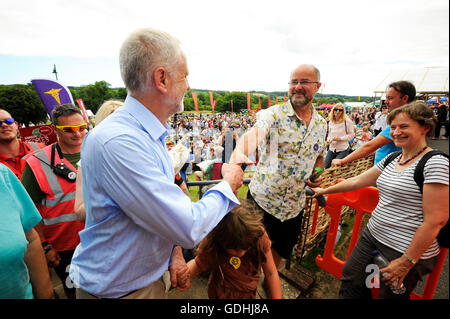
[(308, 241)]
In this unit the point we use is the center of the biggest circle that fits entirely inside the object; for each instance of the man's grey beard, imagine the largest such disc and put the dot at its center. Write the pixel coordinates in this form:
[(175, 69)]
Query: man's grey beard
[(299, 103)]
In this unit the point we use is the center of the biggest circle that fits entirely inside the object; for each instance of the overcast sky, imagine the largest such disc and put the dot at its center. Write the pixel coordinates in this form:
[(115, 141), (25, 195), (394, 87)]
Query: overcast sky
[(230, 45)]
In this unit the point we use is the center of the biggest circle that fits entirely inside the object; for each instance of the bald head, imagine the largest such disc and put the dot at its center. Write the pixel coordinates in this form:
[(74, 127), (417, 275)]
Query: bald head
[(5, 112), (307, 67)]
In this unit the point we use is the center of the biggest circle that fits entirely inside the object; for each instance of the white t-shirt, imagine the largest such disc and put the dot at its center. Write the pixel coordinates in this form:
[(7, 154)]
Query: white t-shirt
[(380, 121), (399, 211)]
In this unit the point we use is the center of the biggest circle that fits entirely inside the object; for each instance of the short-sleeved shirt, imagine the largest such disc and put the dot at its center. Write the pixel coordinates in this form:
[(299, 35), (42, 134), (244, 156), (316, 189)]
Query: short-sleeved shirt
[(399, 211), (19, 216), (286, 159), (389, 148)]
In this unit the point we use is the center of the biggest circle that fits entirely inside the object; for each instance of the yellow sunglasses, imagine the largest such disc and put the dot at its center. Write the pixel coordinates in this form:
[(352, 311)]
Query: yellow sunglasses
[(72, 128)]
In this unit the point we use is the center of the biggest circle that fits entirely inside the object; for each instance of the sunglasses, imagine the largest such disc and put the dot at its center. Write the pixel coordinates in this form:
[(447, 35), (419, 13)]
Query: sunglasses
[(340, 110), (72, 129), (7, 121)]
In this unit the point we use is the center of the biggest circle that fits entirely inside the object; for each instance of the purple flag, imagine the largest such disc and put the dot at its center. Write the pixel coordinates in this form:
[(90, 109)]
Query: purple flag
[(52, 93)]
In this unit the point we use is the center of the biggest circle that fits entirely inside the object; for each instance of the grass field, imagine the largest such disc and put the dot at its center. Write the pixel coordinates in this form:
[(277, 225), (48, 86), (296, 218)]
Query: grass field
[(193, 190)]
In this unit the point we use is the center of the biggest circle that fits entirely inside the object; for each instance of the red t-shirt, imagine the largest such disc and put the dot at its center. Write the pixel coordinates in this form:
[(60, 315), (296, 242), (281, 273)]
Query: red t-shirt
[(15, 163)]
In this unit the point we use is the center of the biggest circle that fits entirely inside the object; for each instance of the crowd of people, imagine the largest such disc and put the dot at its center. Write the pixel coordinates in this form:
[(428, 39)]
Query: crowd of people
[(117, 228)]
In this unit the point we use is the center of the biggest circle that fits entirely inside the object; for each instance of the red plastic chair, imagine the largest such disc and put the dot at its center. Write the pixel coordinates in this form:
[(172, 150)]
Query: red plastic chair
[(217, 169), (364, 200)]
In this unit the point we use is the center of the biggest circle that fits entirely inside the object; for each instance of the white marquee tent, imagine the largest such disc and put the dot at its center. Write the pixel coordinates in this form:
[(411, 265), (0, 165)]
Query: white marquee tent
[(429, 81)]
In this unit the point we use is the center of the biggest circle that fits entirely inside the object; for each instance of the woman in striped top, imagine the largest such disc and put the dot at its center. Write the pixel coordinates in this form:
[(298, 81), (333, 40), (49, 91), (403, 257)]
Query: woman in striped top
[(405, 223)]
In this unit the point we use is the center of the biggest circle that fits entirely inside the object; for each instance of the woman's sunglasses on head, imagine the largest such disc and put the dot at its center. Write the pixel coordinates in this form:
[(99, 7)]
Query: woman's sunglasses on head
[(7, 121), (72, 128)]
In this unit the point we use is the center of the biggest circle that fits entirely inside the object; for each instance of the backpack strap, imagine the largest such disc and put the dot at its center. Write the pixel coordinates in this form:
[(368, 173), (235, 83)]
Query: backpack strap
[(391, 157), (418, 172)]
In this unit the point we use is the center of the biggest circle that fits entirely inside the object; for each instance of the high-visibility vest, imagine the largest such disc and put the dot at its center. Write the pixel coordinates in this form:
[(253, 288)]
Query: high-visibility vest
[(60, 224)]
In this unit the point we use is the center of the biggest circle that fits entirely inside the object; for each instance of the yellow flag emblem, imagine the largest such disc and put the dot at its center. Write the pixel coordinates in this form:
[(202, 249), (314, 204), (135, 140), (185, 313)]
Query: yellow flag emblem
[(235, 262), (55, 94)]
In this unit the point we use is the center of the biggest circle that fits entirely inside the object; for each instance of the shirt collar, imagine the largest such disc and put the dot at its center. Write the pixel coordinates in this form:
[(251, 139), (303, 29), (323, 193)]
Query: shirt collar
[(146, 118), (289, 110)]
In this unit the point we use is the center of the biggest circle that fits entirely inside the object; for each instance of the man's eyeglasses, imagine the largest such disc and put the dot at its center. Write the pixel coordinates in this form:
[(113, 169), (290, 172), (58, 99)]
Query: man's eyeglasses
[(302, 83), (7, 121), (72, 128)]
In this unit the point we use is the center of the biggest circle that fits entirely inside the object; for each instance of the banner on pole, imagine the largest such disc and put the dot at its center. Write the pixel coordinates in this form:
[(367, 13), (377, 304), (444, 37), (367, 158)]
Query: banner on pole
[(51, 93), (83, 110), (211, 99), (259, 102), (269, 105), (248, 101), (194, 97)]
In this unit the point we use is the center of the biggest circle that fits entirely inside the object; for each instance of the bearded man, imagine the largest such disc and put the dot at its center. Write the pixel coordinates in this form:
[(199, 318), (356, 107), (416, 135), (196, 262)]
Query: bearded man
[(290, 139)]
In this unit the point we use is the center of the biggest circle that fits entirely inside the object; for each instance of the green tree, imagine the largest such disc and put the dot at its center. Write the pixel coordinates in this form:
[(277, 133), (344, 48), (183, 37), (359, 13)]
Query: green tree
[(23, 103), (239, 100), (94, 95), (189, 104)]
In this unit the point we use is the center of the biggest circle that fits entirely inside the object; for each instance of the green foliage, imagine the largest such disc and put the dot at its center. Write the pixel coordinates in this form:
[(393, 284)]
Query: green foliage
[(94, 95), (23, 103), (26, 106)]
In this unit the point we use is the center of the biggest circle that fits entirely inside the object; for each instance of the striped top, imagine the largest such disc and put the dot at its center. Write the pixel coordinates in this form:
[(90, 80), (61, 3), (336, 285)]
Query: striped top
[(399, 211)]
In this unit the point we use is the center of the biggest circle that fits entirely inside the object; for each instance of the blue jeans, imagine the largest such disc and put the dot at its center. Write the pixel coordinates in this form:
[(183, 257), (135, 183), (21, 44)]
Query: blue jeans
[(331, 155)]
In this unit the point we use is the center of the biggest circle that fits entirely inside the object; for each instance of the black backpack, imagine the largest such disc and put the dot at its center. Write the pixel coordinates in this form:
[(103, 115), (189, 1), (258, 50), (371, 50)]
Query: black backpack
[(444, 235)]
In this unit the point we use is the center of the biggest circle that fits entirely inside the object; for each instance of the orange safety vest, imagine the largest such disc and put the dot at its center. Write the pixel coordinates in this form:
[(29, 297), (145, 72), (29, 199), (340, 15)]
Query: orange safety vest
[(60, 224)]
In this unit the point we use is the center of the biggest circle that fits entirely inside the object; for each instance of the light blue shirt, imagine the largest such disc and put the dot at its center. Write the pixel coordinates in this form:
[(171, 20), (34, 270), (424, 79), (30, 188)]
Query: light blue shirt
[(383, 151), (135, 213)]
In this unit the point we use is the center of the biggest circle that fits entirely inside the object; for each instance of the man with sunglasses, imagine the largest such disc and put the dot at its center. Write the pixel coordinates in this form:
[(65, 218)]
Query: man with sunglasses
[(397, 94), (49, 177), (13, 149)]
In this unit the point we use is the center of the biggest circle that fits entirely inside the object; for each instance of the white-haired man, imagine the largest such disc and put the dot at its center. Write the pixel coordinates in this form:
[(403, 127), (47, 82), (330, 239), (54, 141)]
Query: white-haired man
[(136, 217)]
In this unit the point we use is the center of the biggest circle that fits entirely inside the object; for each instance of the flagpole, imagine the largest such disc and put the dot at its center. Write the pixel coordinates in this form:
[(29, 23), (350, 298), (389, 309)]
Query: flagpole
[(54, 71)]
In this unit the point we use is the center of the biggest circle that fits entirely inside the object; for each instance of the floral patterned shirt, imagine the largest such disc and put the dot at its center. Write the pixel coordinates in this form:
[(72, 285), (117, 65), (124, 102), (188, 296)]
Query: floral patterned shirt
[(286, 159)]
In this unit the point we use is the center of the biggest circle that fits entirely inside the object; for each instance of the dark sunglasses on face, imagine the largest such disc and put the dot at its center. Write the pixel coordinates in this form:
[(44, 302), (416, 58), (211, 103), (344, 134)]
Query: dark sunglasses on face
[(7, 121), (340, 110)]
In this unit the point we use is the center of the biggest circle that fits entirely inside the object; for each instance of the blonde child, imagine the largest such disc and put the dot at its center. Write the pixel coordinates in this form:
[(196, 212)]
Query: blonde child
[(365, 134), (234, 251)]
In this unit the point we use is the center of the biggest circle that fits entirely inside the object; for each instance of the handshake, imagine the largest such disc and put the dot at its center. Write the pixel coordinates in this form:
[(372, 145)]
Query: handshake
[(234, 175)]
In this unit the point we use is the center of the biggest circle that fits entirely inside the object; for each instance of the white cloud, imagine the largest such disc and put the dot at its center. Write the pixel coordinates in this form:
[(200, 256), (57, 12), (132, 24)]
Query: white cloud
[(243, 45)]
